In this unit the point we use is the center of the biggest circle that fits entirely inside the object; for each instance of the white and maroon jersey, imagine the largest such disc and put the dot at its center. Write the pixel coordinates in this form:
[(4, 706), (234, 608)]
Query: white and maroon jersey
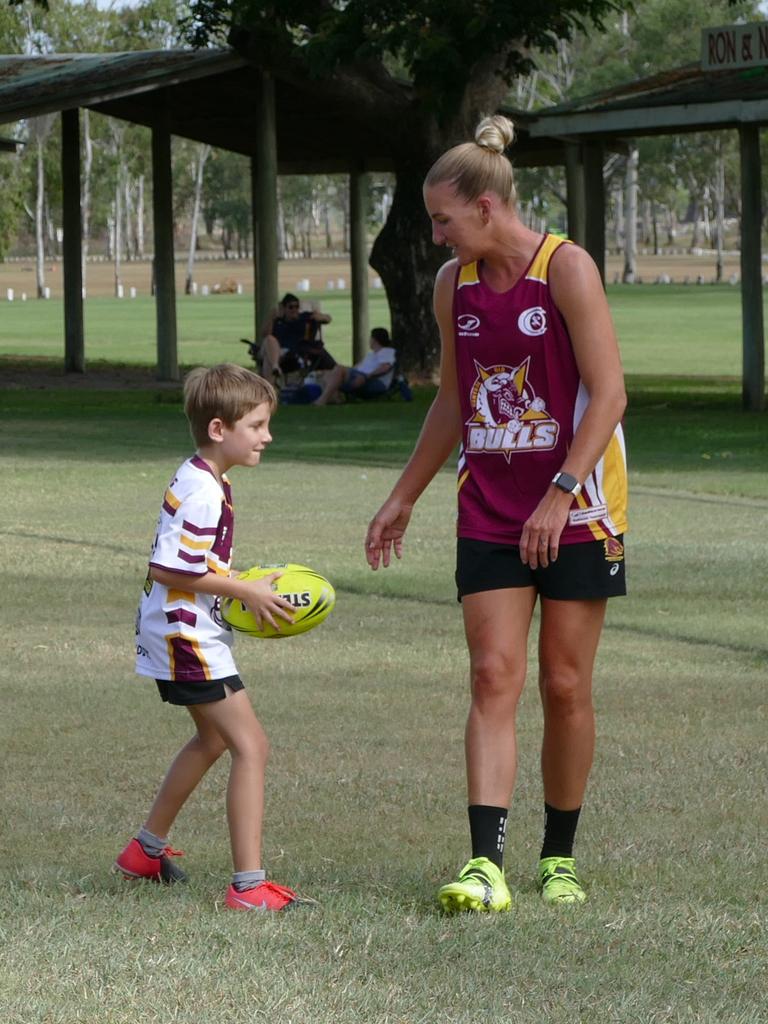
[(180, 634), (521, 402)]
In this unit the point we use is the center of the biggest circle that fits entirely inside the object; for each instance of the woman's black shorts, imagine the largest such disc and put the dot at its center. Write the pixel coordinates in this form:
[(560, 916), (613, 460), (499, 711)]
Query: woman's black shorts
[(203, 691), (585, 571)]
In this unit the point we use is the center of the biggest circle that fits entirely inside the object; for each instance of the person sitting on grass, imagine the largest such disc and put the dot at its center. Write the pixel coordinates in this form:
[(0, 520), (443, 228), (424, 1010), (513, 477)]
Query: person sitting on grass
[(182, 643), (291, 341), (369, 378)]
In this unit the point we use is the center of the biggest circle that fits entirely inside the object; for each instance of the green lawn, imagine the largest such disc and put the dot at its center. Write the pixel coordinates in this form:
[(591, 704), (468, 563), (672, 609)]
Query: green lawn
[(366, 805), (662, 329)]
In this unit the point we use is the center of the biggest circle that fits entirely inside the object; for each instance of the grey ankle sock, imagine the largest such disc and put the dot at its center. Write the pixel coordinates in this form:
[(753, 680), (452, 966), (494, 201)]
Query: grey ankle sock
[(151, 844), (243, 880)]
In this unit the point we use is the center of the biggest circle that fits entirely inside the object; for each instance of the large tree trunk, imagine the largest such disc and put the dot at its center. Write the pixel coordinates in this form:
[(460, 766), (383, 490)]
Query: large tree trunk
[(406, 260)]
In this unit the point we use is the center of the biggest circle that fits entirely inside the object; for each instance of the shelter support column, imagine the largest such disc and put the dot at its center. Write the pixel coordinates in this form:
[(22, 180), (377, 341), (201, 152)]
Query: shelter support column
[(358, 244), (264, 204), (74, 335), (594, 204), (164, 269), (574, 184), (753, 339)]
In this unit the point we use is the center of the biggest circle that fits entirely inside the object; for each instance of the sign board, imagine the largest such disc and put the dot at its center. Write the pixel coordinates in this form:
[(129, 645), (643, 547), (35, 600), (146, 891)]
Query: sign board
[(734, 46)]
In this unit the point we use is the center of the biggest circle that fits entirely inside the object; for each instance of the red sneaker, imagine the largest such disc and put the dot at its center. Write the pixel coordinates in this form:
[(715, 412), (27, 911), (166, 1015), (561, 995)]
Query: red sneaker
[(134, 863), (264, 896)]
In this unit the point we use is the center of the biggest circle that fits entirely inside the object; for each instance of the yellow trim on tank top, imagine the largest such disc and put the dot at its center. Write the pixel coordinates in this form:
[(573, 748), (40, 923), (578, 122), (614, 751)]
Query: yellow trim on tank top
[(539, 269), (615, 483), (468, 275)]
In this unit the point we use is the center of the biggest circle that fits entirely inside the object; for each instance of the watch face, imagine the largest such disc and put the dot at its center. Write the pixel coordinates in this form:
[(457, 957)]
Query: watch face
[(567, 483)]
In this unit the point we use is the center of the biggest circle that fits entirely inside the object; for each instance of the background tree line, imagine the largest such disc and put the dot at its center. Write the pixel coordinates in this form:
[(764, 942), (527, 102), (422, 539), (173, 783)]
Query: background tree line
[(666, 191)]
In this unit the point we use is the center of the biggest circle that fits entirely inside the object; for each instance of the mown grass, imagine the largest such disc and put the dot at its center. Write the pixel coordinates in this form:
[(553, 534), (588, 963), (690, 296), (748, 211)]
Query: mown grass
[(365, 791), (662, 329)]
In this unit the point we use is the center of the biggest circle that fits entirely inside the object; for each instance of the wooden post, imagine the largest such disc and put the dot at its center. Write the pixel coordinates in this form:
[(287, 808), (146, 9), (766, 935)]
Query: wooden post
[(358, 245), (164, 269), (74, 335), (753, 339), (258, 314), (594, 192), (574, 184), (264, 207)]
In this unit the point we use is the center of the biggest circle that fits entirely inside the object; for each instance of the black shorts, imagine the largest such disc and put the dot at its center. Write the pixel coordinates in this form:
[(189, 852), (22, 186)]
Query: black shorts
[(302, 360), (586, 571), (197, 691)]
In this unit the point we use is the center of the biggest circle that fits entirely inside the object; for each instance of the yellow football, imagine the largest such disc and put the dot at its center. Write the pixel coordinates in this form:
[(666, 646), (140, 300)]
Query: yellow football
[(311, 595)]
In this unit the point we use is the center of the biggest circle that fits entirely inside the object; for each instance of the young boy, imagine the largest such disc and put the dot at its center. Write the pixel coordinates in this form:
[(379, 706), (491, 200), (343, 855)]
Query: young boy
[(182, 642)]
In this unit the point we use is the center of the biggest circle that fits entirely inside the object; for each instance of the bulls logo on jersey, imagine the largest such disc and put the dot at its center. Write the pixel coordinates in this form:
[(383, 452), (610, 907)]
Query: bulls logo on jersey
[(508, 417)]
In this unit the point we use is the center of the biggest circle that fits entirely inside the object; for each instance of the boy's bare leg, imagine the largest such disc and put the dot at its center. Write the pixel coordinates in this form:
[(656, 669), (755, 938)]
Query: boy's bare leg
[(236, 723), (188, 767)]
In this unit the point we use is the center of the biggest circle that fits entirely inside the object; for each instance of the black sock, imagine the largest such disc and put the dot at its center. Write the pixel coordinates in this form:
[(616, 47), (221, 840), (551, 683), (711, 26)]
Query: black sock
[(559, 832), (488, 829)]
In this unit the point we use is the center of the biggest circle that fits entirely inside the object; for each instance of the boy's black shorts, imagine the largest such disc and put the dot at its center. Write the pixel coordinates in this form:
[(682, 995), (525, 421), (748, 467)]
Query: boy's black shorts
[(585, 571), (203, 691)]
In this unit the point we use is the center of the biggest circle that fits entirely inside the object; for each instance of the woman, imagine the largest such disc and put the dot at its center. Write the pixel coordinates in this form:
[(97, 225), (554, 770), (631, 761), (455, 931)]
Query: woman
[(531, 384), (370, 378)]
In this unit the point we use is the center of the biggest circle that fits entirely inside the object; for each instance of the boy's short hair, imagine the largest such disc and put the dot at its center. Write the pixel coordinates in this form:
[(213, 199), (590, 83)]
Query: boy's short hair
[(226, 392)]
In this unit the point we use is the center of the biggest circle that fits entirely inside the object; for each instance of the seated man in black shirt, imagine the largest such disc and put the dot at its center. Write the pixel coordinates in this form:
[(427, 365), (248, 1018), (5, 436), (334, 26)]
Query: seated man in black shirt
[(291, 340)]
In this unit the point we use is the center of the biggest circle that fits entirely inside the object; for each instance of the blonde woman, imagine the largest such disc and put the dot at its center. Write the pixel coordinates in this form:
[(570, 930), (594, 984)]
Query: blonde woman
[(531, 386)]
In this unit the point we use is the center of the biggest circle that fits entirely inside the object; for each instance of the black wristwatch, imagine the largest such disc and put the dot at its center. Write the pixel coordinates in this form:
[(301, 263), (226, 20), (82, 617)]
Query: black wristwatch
[(567, 483)]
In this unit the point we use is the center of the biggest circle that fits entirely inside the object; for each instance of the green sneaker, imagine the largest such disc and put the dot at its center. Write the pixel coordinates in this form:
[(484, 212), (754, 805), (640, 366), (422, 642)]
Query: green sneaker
[(480, 886), (558, 882)]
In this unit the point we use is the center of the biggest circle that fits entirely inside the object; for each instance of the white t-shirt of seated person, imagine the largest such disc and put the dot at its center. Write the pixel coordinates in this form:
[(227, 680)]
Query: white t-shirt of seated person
[(375, 360)]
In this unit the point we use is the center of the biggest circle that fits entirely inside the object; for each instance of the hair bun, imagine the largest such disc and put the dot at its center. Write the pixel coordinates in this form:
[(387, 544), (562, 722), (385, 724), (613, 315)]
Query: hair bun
[(496, 133)]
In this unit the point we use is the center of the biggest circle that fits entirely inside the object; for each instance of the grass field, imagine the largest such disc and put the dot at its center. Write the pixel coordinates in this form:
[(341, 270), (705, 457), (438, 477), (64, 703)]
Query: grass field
[(366, 805), (671, 329)]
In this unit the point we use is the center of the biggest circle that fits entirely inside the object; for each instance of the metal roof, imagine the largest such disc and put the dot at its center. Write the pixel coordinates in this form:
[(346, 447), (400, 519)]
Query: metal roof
[(687, 98), (30, 86), (212, 96)]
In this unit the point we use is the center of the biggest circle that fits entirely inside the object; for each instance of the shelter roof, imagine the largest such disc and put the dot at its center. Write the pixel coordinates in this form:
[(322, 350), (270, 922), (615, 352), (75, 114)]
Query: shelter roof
[(212, 96), (687, 98)]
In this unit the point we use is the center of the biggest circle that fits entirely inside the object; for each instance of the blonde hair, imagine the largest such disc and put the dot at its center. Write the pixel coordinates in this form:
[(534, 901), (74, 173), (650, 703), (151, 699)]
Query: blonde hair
[(480, 166), (226, 392)]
